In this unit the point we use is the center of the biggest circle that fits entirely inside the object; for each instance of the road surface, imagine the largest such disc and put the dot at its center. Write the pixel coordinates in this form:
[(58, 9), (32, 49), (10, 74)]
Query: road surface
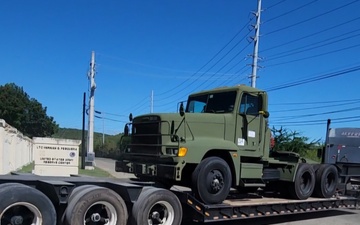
[(331, 217)]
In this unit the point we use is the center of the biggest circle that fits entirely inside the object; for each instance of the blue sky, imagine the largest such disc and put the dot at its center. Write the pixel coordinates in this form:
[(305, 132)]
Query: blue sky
[(169, 46)]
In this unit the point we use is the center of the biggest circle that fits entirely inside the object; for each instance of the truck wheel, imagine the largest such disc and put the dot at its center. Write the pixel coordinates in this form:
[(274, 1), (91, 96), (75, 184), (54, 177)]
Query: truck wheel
[(21, 204), (326, 181), (211, 180), (73, 194), (157, 206), (96, 205), (304, 184)]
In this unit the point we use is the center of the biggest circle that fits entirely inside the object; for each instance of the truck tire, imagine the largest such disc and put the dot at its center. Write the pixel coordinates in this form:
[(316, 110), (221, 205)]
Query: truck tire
[(96, 205), (326, 181), (304, 184), (157, 206), (76, 191), (211, 180), (21, 204)]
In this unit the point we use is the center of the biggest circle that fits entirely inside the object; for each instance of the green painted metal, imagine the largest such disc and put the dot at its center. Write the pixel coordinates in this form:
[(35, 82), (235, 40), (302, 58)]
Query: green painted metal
[(223, 126)]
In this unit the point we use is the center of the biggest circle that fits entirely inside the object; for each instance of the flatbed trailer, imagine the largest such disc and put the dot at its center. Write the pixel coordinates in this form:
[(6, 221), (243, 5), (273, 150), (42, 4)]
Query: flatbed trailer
[(85, 200)]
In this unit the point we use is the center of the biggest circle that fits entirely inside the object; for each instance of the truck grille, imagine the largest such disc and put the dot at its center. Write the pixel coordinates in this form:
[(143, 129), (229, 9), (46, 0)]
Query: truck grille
[(146, 136)]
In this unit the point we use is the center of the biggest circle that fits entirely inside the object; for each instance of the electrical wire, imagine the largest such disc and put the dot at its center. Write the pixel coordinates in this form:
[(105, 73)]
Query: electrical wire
[(208, 62), (314, 79), (310, 35), (291, 11), (315, 56), (276, 4), (311, 18), (311, 108), (313, 46)]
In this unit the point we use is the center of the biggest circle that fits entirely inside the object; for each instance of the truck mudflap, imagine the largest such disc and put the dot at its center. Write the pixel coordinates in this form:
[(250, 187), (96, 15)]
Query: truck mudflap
[(236, 209)]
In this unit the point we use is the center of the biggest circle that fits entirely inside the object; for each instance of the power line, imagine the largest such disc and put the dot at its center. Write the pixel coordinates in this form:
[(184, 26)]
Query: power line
[(311, 35), (311, 103), (208, 62), (312, 47), (311, 18), (314, 79), (291, 11), (311, 108), (276, 4), (314, 56), (212, 68), (316, 114)]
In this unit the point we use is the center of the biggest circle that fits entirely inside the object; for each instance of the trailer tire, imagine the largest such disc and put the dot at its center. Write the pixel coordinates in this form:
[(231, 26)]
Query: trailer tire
[(211, 180), (326, 181), (96, 204), (304, 184), (157, 206), (76, 191), (22, 204)]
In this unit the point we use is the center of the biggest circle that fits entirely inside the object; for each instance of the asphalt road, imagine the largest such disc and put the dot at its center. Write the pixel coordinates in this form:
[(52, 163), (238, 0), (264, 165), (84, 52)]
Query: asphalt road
[(331, 217)]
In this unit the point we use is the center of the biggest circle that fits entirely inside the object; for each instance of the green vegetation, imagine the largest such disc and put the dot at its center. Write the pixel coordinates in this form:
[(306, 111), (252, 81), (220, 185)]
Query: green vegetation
[(97, 172), (24, 113), (110, 148), (292, 141)]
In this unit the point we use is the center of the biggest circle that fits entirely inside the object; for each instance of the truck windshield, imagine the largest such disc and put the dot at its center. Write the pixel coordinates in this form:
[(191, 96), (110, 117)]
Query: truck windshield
[(222, 102)]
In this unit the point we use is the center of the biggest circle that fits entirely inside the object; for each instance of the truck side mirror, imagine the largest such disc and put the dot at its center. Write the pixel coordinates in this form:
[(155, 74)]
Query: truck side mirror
[(126, 130), (130, 117), (181, 110), (265, 113)]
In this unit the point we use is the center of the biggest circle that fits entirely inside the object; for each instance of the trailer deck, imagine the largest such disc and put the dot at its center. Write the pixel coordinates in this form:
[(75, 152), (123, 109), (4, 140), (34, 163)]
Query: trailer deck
[(258, 206)]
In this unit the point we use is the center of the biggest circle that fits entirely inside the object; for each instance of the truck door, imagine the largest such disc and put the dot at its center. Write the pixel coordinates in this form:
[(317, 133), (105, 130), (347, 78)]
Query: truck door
[(250, 127)]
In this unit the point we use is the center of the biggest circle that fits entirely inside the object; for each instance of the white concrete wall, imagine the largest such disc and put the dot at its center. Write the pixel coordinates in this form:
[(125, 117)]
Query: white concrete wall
[(16, 150)]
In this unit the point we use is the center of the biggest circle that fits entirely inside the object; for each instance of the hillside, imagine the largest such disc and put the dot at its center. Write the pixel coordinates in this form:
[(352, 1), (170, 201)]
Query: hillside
[(111, 145)]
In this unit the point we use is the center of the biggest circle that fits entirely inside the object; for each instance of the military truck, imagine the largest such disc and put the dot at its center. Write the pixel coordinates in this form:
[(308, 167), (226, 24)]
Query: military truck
[(219, 141)]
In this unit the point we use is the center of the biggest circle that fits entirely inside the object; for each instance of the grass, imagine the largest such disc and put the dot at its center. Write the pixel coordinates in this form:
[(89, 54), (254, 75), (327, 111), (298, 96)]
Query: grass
[(96, 172)]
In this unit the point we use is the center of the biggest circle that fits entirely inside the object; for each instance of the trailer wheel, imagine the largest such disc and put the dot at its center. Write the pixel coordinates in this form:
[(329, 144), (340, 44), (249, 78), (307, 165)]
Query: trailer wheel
[(211, 180), (157, 206), (73, 194), (326, 181), (304, 184), (96, 205), (21, 204)]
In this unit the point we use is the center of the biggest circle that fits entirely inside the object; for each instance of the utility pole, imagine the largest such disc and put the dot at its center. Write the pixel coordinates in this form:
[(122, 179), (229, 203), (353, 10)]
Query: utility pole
[(152, 102), (103, 141), (90, 153), (256, 46)]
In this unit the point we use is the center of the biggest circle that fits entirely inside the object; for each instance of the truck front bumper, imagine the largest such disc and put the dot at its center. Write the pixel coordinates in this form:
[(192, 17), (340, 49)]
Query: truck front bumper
[(172, 172)]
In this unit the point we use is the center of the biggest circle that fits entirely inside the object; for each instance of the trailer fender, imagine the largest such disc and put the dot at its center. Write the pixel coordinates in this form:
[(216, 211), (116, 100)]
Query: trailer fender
[(21, 204)]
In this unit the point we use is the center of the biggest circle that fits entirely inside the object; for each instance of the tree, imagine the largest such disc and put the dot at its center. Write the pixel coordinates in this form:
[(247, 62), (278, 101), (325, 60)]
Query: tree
[(25, 113), (291, 141)]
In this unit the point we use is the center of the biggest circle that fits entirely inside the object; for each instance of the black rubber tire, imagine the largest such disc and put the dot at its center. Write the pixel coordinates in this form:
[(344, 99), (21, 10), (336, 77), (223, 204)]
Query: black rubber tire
[(211, 180), (31, 200), (76, 191), (326, 181), (89, 197), (304, 184), (159, 203)]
